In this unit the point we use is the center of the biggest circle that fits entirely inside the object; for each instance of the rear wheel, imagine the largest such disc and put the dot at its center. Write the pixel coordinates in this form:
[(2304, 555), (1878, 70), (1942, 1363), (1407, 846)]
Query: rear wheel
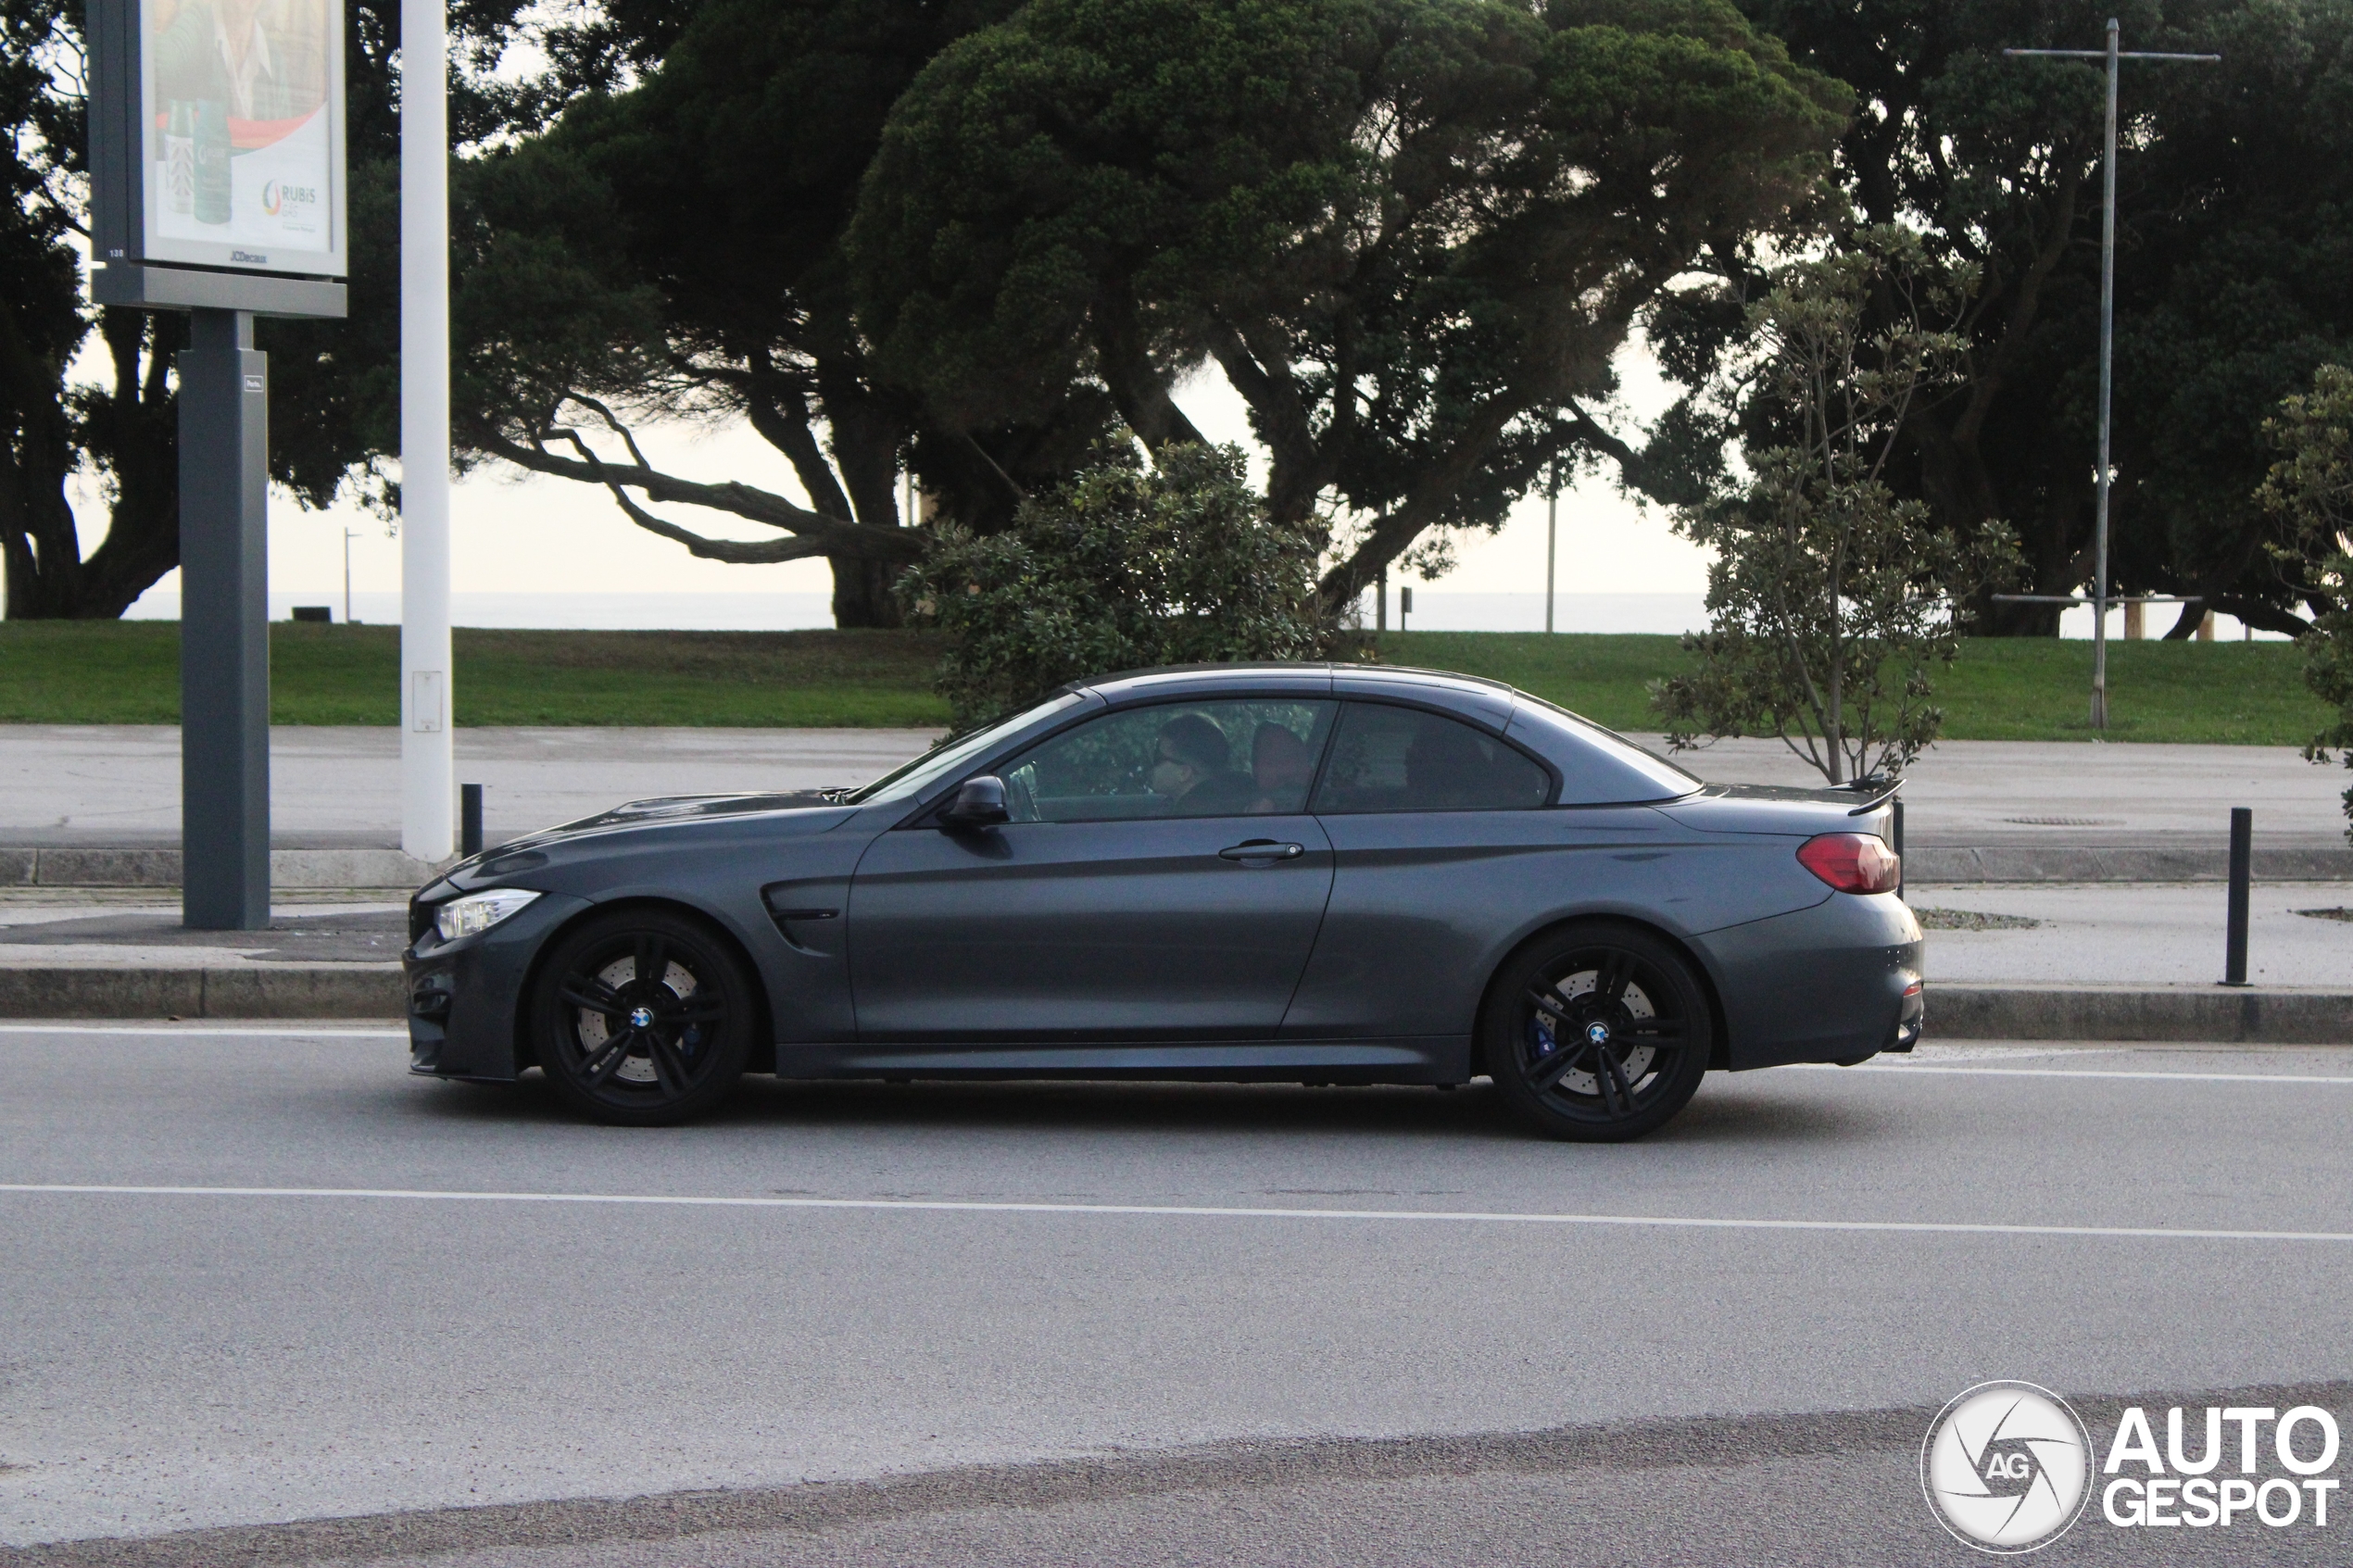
[(1598, 1032), (644, 1018)]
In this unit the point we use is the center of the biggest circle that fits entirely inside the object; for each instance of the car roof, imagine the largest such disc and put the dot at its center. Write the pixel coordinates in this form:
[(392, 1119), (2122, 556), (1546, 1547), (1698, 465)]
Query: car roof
[(1194, 679)]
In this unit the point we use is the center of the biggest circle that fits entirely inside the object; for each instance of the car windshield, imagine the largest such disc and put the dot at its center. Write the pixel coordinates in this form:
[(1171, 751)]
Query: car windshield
[(954, 753)]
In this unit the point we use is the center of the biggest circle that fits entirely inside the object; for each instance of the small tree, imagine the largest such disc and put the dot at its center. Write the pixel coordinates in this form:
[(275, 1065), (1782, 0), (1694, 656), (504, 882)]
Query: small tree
[(1829, 599), (1123, 568), (2310, 488)]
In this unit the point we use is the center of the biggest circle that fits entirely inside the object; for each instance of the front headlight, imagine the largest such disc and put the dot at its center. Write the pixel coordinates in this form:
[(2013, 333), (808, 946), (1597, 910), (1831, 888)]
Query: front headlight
[(478, 911)]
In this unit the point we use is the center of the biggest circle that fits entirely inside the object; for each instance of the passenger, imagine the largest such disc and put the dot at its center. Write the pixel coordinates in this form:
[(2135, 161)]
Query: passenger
[(1282, 768), (1444, 769), (1192, 770)]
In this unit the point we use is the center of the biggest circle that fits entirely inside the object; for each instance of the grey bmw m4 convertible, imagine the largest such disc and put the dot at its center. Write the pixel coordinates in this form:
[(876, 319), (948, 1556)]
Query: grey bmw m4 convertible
[(1318, 874)]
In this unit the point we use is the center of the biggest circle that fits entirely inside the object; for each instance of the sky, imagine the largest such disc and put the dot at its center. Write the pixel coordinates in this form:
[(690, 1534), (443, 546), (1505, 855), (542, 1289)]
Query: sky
[(514, 532)]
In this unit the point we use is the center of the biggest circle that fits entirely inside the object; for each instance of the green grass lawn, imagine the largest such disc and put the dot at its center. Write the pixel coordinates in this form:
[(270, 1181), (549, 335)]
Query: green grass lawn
[(128, 672), (2003, 688)]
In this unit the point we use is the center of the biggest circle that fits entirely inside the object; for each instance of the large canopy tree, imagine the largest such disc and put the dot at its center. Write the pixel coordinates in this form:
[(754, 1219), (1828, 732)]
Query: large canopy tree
[(2235, 220), (673, 252), (1412, 233)]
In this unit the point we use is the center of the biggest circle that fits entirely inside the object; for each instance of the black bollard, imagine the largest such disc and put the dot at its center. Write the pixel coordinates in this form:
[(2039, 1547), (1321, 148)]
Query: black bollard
[(2241, 874), (470, 819)]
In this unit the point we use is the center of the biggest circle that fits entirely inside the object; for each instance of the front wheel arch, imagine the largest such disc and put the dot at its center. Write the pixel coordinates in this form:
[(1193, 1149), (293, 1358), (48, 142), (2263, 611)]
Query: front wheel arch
[(763, 1044), (1720, 1055)]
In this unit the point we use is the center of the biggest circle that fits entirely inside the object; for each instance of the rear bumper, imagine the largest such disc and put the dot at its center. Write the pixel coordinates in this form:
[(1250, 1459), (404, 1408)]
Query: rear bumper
[(1838, 982)]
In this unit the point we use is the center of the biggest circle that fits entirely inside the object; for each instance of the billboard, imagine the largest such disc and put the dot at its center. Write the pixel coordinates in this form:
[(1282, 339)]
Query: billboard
[(227, 127)]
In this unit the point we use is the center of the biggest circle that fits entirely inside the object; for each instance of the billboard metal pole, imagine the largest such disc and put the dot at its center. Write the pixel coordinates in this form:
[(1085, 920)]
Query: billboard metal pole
[(224, 630), (428, 772)]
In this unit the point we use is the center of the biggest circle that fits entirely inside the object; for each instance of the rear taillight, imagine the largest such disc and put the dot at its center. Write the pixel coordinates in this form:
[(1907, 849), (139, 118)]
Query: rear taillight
[(1852, 862)]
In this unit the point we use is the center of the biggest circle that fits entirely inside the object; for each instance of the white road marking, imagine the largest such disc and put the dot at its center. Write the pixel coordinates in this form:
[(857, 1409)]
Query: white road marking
[(1183, 1211), (167, 1031), (2083, 1072)]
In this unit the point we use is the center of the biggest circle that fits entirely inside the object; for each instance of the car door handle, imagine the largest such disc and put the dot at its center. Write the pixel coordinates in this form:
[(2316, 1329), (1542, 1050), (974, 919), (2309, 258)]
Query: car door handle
[(1262, 850)]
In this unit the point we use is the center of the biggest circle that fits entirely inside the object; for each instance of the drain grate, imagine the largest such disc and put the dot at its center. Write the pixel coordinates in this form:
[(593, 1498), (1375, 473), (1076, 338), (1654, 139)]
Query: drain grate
[(2064, 822), (1971, 920)]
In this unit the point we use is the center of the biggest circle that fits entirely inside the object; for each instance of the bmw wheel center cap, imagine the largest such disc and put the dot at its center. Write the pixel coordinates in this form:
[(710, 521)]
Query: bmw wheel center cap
[(1597, 1033), (641, 1018)]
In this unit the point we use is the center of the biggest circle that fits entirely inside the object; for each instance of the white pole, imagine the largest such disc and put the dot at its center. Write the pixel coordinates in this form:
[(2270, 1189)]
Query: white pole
[(1552, 538), (428, 770)]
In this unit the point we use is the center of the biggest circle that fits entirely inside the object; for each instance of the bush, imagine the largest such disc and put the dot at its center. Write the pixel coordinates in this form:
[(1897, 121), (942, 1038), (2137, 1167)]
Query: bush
[(1831, 600), (2311, 488), (1123, 568)]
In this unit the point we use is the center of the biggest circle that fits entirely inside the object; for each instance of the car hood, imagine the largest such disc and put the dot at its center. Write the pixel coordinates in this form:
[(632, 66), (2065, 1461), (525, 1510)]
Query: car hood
[(789, 814)]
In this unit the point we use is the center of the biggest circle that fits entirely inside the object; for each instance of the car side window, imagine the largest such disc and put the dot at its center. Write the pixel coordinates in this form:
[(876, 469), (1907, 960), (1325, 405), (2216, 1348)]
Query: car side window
[(1402, 760), (1226, 759)]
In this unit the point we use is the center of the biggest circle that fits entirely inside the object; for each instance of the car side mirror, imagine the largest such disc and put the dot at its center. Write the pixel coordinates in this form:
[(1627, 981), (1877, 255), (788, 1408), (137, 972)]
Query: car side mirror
[(980, 803)]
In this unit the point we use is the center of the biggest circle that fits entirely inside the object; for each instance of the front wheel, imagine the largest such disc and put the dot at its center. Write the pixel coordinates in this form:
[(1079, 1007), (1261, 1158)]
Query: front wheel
[(1598, 1033), (643, 1017)]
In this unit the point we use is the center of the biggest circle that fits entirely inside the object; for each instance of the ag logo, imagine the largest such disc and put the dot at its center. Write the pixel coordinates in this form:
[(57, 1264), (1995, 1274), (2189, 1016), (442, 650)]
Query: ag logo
[(2007, 1467)]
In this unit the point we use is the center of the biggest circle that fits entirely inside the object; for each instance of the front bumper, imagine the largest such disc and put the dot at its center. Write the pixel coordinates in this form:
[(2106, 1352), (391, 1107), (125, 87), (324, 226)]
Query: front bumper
[(465, 998), (1838, 981)]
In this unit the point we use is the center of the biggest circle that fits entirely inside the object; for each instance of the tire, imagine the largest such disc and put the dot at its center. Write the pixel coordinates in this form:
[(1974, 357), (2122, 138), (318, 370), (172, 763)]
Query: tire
[(635, 1054), (1598, 1032)]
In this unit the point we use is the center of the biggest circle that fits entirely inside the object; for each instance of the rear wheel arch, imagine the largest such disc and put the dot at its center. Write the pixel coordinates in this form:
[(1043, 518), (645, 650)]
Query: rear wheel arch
[(1720, 1049), (764, 1048)]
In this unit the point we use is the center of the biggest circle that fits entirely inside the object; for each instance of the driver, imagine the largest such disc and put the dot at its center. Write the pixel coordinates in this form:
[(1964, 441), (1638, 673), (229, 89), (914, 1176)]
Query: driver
[(1191, 769)]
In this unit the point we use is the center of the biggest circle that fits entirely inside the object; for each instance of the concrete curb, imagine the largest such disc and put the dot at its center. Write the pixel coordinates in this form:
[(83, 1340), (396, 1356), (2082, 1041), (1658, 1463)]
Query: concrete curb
[(350, 990), (1936, 866), (2269, 1015), (160, 867), (2213, 1014)]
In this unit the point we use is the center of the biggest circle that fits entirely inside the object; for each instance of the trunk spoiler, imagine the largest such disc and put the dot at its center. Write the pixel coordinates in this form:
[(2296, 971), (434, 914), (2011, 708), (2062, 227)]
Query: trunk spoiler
[(1885, 790)]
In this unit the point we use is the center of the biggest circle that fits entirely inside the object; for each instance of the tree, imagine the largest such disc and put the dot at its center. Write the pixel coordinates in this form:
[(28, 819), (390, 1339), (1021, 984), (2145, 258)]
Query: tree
[(672, 251), (121, 431), (52, 432), (2235, 208), (1411, 234), (2310, 490), (1831, 600), (1125, 566)]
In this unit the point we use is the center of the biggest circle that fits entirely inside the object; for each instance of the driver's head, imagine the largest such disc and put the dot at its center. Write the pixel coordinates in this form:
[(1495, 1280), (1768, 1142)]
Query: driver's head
[(1191, 750)]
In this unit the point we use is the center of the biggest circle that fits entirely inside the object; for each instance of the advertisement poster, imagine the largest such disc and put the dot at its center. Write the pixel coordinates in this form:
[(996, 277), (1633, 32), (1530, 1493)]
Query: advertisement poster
[(243, 100)]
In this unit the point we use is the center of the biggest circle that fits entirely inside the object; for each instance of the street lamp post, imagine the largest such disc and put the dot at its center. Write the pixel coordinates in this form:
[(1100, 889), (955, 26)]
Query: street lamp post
[(2108, 341), (427, 766), (1552, 536)]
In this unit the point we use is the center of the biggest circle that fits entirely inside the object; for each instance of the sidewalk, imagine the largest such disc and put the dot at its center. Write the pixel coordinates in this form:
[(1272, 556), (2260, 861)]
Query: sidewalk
[(118, 786), (2143, 934), (2098, 963)]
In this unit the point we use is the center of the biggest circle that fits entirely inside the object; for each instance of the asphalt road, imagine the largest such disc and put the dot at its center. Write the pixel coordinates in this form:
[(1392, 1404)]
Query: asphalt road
[(1148, 1324)]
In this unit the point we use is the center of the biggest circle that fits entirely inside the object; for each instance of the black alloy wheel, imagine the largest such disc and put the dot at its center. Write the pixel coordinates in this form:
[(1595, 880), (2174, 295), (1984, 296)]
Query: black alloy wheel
[(643, 1017), (1598, 1033)]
